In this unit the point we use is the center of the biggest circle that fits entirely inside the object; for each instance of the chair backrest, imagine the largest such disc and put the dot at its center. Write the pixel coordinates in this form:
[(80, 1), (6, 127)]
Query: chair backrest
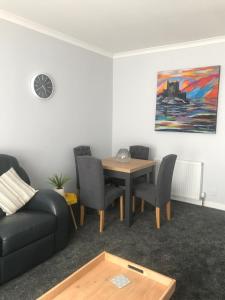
[(164, 179), (7, 162), (91, 178), (80, 151), (139, 152)]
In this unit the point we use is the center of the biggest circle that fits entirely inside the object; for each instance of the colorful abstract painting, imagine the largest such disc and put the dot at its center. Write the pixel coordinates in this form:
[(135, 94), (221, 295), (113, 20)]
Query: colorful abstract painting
[(187, 100)]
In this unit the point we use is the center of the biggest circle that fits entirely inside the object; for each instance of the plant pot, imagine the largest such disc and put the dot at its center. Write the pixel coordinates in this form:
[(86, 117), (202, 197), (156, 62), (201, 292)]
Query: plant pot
[(60, 191)]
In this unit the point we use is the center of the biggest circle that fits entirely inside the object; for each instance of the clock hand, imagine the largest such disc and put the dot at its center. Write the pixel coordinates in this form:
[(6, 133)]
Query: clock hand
[(39, 88)]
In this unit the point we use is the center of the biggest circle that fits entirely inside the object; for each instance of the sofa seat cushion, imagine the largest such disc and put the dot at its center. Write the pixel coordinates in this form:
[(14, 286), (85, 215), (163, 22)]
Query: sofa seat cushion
[(23, 228)]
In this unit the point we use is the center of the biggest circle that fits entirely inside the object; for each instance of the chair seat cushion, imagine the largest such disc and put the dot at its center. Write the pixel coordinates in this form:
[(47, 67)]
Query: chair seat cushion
[(140, 179), (117, 182), (146, 192), (112, 193), (22, 228)]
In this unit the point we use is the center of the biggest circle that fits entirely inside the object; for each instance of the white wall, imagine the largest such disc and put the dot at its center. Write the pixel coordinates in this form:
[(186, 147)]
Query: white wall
[(42, 134), (134, 101)]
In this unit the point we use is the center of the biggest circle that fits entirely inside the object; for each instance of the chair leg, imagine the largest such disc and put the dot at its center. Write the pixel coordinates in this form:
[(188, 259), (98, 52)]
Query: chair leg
[(142, 205), (168, 210), (82, 215), (102, 220), (121, 208), (157, 214), (133, 204)]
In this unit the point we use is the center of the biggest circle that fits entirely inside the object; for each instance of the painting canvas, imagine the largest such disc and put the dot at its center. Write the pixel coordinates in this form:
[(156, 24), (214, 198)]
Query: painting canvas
[(187, 100)]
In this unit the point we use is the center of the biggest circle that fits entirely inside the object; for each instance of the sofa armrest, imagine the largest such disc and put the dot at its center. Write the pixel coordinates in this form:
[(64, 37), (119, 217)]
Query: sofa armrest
[(48, 201), (51, 202)]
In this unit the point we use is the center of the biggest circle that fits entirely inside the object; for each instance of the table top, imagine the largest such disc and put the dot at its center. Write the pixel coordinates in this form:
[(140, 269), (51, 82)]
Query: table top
[(71, 198), (131, 166)]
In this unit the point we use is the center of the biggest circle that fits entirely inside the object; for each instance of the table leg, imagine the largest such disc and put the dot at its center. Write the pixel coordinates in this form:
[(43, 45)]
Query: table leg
[(152, 175), (128, 192), (73, 217)]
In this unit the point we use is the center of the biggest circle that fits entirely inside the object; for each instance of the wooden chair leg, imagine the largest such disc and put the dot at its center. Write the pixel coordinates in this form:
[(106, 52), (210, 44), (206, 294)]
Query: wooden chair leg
[(157, 214), (82, 215), (121, 208), (102, 220), (168, 210), (142, 205), (133, 204)]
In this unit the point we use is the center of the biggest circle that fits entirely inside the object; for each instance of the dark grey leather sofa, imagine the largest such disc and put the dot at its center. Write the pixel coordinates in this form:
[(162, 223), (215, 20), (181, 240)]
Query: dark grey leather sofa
[(33, 233)]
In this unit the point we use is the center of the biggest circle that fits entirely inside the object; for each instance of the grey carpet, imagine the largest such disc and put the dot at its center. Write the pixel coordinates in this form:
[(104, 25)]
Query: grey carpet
[(190, 248)]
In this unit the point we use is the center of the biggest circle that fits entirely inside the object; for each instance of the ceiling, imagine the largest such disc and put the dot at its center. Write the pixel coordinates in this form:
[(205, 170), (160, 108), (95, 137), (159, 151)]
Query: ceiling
[(123, 25)]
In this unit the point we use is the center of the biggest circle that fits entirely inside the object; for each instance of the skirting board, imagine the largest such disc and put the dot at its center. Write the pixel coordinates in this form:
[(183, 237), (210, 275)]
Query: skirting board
[(216, 205), (206, 203), (187, 200)]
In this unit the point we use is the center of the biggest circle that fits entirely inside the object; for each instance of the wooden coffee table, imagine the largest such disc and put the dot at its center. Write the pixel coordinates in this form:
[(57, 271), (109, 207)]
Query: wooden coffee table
[(93, 282)]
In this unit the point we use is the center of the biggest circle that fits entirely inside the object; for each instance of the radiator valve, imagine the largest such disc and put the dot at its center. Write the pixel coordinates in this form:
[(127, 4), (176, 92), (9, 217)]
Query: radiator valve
[(203, 195)]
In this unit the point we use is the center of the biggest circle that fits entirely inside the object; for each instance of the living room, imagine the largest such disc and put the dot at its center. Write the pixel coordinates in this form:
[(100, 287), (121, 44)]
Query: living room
[(104, 68)]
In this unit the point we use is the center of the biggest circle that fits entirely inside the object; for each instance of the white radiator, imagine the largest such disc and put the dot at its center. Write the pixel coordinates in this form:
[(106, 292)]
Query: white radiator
[(187, 181)]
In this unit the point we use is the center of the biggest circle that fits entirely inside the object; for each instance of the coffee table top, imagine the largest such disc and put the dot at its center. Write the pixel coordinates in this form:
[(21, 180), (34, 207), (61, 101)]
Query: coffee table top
[(94, 281)]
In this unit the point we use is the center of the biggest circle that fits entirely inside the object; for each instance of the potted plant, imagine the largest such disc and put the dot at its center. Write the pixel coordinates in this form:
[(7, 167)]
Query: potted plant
[(58, 181)]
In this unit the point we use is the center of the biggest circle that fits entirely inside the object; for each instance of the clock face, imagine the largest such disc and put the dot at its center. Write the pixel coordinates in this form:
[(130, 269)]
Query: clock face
[(42, 86)]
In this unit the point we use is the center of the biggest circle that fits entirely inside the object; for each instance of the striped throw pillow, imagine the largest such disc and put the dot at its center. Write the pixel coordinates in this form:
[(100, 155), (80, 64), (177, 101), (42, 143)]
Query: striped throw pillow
[(14, 192)]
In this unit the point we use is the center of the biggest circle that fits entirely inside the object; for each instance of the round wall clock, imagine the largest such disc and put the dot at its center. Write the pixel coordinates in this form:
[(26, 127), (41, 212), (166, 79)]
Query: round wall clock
[(42, 86)]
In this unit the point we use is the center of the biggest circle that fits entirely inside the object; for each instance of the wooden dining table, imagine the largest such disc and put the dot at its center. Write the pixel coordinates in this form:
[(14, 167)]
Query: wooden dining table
[(128, 171)]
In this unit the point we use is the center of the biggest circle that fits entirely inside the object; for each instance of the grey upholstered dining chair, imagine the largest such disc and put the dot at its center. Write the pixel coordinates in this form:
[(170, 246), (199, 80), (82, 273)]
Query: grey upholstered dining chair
[(158, 195), (139, 152), (94, 193), (80, 151)]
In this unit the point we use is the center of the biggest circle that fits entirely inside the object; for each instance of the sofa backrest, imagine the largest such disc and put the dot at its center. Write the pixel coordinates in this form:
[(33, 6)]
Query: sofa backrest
[(7, 162)]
